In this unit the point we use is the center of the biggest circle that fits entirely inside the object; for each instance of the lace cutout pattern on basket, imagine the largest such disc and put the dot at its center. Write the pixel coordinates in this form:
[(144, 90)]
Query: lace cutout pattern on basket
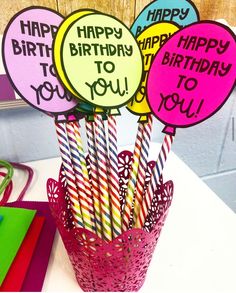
[(119, 265)]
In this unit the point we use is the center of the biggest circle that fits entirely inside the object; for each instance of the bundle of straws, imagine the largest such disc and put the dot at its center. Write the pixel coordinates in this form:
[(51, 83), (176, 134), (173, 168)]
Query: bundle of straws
[(95, 196)]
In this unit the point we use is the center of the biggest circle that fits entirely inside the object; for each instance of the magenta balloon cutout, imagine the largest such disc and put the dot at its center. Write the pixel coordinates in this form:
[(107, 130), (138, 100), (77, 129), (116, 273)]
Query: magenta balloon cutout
[(192, 75), (27, 57)]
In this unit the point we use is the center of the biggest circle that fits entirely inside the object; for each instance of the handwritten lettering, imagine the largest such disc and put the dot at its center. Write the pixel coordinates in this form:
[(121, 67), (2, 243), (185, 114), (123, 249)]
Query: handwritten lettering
[(167, 14), (171, 102), (100, 50), (47, 92), (101, 87), (96, 32), (148, 59), (151, 42), (48, 69), (139, 29), (140, 96), (34, 28), (194, 43), (27, 48), (201, 65)]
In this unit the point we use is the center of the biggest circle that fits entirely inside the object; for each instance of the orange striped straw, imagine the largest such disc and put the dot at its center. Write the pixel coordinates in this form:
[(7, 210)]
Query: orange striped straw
[(69, 173), (114, 187), (133, 179), (84, 204), (101, 146), (94, 175)]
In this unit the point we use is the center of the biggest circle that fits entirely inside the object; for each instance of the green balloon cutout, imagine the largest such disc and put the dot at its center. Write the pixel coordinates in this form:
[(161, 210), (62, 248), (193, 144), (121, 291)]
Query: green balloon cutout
[(88, 110), (101, 60)]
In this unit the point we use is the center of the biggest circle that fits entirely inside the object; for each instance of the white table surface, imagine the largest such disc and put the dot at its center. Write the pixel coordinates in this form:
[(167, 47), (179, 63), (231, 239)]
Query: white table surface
[(196, 251)]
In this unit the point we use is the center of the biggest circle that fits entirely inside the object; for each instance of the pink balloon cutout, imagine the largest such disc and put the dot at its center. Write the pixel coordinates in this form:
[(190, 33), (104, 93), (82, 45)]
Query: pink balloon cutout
[(27, 57), (182, 92)]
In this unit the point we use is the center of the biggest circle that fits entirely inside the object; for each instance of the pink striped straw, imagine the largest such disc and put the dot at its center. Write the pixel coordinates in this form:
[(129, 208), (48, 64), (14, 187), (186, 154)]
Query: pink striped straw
[(127, 213), (101, 145), (114, 187), (69, 173), (153, 185), (147, 130), (94, 175)]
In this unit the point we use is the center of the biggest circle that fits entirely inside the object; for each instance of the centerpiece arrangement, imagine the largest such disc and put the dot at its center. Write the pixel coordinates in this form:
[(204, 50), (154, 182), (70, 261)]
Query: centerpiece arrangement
[(109, 206)]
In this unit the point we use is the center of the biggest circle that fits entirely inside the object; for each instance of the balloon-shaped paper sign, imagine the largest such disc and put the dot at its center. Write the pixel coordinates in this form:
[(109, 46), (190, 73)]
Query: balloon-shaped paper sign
[(101, 60), (27, 57), (182, 12), (150, 41), (57, 45), (192, 75)]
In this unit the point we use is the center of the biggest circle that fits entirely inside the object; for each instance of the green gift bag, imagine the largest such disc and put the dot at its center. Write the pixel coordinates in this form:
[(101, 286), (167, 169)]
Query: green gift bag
[(14, 225)]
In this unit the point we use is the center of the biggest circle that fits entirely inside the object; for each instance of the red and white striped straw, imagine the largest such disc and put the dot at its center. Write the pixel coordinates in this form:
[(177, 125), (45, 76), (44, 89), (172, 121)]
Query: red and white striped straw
[(94, 175), (133, 179), (76, 160), (147, 130), (114, 187), (69, 173), (153, 185)]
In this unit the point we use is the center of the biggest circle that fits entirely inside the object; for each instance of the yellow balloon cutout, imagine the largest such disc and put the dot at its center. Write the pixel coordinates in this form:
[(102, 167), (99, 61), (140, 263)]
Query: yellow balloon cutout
[(101, 60), (150, 41), (58, 42)]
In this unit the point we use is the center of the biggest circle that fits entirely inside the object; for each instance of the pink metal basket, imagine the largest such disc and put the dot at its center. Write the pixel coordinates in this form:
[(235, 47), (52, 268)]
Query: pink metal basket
[(119, 265)]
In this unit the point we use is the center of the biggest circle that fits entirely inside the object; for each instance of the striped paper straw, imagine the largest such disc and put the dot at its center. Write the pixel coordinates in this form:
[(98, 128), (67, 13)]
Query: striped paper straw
[(85, 209), (114, 186), (133, 179), (84, 172), (153, 185), (142, 169), (101, 146), (69, 173), (94, 175)]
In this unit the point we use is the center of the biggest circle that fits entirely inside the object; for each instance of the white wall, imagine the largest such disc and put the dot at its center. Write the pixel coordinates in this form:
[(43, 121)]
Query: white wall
[(207, 148)]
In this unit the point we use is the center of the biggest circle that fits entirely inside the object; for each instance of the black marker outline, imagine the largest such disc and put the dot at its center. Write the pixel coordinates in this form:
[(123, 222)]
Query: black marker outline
[(63, 67), (230, 91), (160, 22), (5, 63), (53, 48), (153, 2)]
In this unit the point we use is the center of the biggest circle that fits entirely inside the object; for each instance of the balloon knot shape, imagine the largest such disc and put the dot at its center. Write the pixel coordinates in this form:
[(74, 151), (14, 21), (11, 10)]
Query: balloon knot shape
[(169, 130)]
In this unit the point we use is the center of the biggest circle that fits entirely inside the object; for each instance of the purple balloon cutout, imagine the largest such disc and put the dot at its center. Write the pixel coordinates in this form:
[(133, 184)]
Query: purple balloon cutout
[(192, 75), (27, 57)]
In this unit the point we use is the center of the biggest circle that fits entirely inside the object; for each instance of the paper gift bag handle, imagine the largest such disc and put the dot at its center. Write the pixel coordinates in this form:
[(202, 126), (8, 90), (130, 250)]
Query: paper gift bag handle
[(7, 191), (8, 188), (8, 176)]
